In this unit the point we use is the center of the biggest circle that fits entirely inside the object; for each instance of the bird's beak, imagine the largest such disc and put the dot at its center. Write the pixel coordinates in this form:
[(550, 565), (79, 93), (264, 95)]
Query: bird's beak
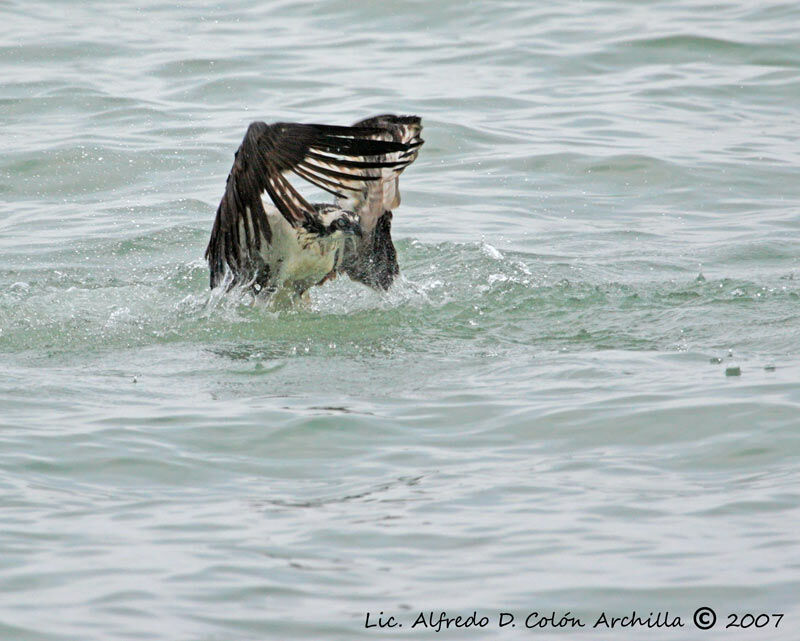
[(356, 230)]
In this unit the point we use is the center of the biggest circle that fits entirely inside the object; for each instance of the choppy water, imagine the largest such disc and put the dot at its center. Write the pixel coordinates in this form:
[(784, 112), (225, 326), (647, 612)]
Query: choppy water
[(605, 218)]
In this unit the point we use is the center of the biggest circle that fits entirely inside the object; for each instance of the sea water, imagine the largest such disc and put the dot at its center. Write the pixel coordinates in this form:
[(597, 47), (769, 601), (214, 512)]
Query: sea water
[(582, 396)]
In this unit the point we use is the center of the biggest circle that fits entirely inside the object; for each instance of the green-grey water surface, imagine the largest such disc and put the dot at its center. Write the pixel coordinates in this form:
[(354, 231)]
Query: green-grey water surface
[(604, 221)]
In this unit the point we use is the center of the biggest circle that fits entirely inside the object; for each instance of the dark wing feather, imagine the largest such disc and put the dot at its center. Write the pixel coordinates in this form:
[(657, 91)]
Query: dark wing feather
[(383, 194), (375, 264), (339, 160)]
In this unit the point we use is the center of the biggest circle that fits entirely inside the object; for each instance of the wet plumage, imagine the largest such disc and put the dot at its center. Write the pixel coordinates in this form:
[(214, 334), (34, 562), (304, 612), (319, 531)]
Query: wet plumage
[(292, 244)]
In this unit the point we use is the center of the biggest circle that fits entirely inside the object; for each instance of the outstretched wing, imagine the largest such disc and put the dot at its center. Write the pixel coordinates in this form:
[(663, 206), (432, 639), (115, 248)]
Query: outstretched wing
[(339, 160), (383, 194)]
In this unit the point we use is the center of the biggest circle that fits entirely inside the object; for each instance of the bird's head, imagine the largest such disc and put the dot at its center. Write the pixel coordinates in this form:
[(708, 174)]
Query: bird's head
[(344, 224)]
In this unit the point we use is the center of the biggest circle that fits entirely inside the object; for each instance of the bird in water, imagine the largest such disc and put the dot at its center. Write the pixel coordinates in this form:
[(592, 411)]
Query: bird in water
[(290, 245)]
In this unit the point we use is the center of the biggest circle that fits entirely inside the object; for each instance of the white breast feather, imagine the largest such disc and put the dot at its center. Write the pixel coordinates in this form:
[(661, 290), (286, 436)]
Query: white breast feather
[(294, 255)]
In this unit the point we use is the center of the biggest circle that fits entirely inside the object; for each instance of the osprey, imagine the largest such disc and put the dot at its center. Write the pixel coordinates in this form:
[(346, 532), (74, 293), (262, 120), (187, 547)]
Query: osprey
[(293, 245)]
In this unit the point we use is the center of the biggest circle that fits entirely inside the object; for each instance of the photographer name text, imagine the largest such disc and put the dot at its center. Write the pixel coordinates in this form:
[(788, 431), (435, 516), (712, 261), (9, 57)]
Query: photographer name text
[(703, 618)]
